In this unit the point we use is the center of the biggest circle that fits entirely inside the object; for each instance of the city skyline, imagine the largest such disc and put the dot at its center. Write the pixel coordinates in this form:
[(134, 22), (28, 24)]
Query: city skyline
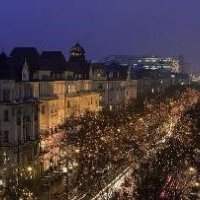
[(99, 100), (104, 28)]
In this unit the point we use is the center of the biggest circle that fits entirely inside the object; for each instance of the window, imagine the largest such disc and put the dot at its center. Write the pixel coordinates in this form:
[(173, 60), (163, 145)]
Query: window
[(52, 75), (18, 121), (6, 116), (111, 75), (13, 112), (36, 116), (43, 110), (19, 117), (98, 75), (100, 86), (68, 104), (6, 95), (45, 77), (87, 86), (6, 136), (71, 89)]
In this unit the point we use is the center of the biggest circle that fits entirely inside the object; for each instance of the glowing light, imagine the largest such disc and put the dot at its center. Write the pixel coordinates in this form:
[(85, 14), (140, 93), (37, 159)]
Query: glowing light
[(30, 169), (1, 182), (77, 150), (64, 169), (192, 170)]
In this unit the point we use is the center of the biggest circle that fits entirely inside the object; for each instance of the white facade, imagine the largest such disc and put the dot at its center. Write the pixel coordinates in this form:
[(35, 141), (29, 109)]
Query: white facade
[(18, 113), (116, 94)]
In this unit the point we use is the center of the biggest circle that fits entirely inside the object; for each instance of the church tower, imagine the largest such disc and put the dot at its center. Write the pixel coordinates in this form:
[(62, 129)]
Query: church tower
[(77, 53)]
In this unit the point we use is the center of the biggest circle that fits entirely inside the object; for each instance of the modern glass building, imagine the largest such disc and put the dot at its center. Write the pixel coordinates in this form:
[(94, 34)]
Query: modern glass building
[(172, 64)]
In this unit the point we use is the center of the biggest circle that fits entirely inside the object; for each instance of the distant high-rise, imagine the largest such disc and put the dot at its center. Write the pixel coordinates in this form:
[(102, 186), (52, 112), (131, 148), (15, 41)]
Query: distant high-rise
[(152, 62)]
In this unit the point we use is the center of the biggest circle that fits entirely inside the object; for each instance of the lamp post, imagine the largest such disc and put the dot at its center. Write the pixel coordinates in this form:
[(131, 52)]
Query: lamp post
[(18, 162), (65, 172), (2, 188)]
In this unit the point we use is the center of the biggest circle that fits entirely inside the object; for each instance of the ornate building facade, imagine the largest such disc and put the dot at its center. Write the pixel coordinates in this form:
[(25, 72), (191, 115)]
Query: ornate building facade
[(115, 85), (19, 121), (39, 91)]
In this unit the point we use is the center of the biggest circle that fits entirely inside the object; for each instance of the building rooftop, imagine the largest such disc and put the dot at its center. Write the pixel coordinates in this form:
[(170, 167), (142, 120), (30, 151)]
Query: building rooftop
[(52, 60)]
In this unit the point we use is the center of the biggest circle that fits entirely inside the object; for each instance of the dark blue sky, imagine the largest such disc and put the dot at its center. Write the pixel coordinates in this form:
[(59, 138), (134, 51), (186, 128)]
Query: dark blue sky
[(164, 27)]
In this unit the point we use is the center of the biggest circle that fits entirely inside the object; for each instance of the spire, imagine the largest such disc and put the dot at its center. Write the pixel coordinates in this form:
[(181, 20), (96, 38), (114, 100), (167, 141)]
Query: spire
[(25, 62), (25, 71)]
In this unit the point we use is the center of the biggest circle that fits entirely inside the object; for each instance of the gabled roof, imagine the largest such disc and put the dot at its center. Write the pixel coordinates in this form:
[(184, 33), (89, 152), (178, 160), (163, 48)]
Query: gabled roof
[(30, 54), (24, 51), (79, 67), (7, 71), (11, 67), (3, 57), (52, 60)]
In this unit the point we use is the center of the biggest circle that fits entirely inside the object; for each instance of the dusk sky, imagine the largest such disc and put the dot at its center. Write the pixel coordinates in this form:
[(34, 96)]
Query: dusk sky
[(104, 27)]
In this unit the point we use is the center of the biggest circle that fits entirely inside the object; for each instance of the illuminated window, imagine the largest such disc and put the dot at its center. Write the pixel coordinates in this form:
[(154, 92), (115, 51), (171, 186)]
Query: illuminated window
[(98, 75), (86, 86)]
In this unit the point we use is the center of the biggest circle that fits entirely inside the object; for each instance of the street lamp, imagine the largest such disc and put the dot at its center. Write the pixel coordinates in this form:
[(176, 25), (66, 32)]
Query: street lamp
[(197, 184), (192, 170), (29, 168), (173, 78), (77, 151), (65, 172), (64, 169), (1, 182)]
